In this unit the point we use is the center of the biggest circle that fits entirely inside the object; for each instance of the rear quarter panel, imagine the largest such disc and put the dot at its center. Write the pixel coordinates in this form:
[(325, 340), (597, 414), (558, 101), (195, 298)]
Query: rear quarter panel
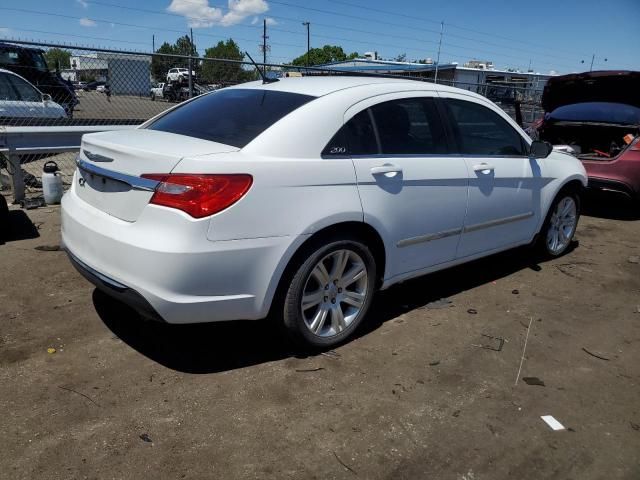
[(288, 197)]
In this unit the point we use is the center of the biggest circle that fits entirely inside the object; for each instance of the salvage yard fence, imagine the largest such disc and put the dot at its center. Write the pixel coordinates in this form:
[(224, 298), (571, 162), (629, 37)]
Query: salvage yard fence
[(94, 89)]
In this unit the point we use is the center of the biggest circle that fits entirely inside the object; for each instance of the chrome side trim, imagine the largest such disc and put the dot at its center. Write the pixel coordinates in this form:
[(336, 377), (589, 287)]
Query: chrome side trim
[(95, 157), (428, 238), (137, 183), (495, 223)]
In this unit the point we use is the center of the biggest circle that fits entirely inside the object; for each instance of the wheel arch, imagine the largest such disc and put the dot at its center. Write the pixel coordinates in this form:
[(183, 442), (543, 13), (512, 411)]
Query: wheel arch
[(347, 229)]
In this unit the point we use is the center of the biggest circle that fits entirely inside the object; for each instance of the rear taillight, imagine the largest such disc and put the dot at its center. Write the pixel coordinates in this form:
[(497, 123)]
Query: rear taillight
[(199, 195)]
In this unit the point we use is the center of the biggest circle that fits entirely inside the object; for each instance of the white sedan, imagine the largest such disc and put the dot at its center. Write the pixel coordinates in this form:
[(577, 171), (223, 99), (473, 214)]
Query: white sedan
[(299, 199), (20, 99)]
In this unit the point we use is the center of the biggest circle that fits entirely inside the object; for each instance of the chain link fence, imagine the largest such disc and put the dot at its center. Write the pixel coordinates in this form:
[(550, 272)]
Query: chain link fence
[(101, 87)]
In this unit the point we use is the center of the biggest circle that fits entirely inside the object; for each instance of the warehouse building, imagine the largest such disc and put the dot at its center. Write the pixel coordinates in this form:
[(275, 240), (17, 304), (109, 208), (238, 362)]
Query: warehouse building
[(476, 76), (126, 74)]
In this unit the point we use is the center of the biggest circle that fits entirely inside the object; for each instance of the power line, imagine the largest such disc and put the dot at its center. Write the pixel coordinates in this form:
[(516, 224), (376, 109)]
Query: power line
[(421, 40), (59, 15), (78, 36), (449, 25)]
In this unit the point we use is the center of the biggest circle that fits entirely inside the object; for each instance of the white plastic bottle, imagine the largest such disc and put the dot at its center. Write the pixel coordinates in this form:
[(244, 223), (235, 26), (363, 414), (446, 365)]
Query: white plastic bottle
[(51, 183)]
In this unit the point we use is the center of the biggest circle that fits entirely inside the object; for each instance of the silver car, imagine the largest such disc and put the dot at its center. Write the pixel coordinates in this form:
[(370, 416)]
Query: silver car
[(19, 98)]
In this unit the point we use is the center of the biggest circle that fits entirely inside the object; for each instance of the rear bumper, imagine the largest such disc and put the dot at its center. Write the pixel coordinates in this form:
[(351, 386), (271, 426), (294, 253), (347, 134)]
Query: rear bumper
[(115, 289), (164, 266), (611, 185)]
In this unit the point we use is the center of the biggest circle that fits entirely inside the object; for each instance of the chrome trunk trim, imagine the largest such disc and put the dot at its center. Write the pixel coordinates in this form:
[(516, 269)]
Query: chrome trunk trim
[(137, 183)]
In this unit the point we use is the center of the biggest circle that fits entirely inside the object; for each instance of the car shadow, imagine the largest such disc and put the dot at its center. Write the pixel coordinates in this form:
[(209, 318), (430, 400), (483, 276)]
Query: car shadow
[(19, 227), (217, 347), (610, 205)]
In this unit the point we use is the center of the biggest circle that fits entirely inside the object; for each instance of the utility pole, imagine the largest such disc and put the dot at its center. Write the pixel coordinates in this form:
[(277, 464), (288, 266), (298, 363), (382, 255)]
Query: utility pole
[(264, 42), (308, 24), (593, 57), (191, 66), (435, 80), (153, 43)]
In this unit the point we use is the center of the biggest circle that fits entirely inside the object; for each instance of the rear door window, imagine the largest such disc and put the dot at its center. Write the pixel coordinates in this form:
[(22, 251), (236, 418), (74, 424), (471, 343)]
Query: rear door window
[(230, 116), (410, 126), (481, 131), (356, 137)]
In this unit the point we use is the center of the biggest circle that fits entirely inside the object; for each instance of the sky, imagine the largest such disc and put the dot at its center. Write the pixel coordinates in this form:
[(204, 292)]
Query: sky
[(550, 35)]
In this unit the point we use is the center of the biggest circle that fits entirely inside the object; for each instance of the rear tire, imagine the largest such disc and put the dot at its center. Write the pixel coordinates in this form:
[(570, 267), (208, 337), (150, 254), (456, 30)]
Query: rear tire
[(4, 220), (560, 224), (329, 293)]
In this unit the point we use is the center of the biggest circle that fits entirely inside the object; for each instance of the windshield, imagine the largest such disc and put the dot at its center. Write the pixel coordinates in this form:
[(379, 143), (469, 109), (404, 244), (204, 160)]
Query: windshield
[(23, 57), (231, 116)]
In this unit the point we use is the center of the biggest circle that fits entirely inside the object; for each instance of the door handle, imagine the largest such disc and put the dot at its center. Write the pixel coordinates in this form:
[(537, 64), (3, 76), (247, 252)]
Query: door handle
[(483, 167), (386, 170)]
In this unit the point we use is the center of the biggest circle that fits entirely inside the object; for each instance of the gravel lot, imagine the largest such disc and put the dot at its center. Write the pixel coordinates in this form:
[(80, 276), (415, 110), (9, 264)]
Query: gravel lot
[(96, 105), (412, 397)]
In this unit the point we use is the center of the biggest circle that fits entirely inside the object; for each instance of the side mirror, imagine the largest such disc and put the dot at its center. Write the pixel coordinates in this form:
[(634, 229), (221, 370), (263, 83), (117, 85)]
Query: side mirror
[(46, 97), (540, 149)]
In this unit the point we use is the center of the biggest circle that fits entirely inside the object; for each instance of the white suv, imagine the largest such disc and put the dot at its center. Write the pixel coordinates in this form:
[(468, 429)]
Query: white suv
[(179, 75), (302, 197)]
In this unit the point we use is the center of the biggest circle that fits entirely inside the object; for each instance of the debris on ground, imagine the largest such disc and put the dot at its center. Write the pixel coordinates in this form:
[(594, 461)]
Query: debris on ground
[(48, 248), (434, 363), (145, 438), (515, 291), (330, 354), (79, 393), (472, 311), (635, 426), (552, 422), (31, 203), (496, 347), (303, 370), (344, 464), (51, 350), (533, 381), (634, 259), (440, 303), (456, 414), (595, 355)]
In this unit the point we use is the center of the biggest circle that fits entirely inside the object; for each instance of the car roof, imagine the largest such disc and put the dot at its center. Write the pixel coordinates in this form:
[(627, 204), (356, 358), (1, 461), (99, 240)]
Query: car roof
[(318, 86), (4, 70)]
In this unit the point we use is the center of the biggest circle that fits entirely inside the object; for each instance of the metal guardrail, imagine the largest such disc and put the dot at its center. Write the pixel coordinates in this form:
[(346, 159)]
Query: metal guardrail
[(28, 143)]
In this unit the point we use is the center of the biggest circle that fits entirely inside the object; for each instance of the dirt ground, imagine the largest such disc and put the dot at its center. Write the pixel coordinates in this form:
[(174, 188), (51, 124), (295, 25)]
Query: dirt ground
[(413, 396)]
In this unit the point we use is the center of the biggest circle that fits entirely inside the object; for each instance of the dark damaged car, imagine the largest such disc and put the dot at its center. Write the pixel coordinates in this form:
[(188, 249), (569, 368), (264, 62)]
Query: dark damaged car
[(30, 64), (596, 116)]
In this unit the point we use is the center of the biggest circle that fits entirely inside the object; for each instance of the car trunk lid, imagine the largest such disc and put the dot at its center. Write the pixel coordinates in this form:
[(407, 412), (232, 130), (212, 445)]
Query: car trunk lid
[(110, 166), (602, 86)]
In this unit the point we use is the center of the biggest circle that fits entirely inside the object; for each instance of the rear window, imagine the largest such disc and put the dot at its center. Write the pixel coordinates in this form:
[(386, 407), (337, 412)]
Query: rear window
[(230, 116)]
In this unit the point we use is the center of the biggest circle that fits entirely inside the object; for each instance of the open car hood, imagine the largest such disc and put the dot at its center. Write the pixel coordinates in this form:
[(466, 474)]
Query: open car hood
[(597, 113), (601, 86)]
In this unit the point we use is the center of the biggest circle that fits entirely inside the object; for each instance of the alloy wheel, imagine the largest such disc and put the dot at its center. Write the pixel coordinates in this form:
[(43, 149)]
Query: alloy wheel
[(562, 225), (334, 293)]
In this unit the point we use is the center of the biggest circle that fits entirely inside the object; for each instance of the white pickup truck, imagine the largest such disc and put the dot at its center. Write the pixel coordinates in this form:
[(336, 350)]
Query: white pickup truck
[(157, 92)]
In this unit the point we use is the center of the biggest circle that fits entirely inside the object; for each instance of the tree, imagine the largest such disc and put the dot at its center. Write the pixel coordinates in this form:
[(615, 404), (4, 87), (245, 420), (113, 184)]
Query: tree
[(184, 47), (57, 58), (401, 58), (326, 54), (224, 72), (160, 64)]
